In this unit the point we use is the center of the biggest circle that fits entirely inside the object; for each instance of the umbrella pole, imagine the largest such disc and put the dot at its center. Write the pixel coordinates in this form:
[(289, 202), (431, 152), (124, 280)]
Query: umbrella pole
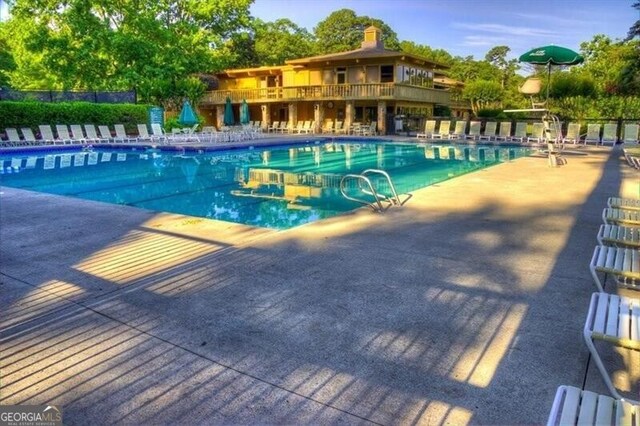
[(548, 82)]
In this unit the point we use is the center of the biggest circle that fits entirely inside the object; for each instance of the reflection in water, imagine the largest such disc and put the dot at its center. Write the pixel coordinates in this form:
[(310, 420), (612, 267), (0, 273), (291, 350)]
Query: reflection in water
[(279, 187)]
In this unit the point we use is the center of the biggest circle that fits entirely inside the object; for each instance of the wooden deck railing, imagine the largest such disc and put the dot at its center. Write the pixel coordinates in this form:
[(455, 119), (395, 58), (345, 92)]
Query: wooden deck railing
[(388, 91)]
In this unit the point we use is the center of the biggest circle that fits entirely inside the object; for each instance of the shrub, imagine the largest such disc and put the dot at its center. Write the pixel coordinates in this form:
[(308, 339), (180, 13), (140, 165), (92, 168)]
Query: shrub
[(31, 114)]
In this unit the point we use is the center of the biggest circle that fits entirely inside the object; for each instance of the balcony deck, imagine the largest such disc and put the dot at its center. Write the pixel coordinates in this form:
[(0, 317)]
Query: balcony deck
[(368, 91)]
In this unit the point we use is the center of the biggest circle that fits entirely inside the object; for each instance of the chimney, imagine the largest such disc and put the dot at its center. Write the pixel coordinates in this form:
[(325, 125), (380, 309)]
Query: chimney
[(372, 38)]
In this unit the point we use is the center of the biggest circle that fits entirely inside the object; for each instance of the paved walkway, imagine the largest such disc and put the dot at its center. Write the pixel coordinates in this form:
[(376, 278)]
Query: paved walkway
[(465, 306)]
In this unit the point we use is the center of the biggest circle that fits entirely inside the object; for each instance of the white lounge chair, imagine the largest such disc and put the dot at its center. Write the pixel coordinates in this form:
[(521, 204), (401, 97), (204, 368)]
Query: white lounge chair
[(573, 134), (619, 236), (505, 132), (593, 134), (623, 203), (105, 133), (474, 131), (339, 127), (429, 130), (537, 133), (490, 130), (631, 133), (612, 319), (46, 134), (621, 217), (63, 134), (443, 131), (328, 126), (143, 133), (620, 262), (13, 138), (157, 134), (572, 406), (77, 135), (459, 131), (121, 134), (29, 137), (632, 160), (609, 134), (521, 132), (92, 135)]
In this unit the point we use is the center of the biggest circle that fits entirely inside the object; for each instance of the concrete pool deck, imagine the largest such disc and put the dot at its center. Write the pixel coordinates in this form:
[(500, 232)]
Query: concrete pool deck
[(466, 305)]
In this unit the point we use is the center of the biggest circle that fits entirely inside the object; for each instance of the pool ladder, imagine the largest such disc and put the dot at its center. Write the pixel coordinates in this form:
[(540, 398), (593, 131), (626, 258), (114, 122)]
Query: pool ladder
[(366, 186)]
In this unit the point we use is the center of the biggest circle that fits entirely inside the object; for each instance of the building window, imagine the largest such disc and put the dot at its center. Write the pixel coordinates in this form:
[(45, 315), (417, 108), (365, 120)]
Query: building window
[(386, 74), (341, 75)]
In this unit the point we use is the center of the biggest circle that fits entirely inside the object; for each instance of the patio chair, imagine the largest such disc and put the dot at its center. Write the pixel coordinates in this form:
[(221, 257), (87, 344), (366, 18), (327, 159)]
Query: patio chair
[(273, 127), (63, 134), (46, 134), (619, 236), (593, 134), (620, 262), (609, 134), (537, 133), (623, 203), (371, 129), (521, 132), (490, 130), (429, 129), (105, 133), (621, 217), (339, 128), (474, 131), (459, 131), (573, 133), (631, 133), (121, 134), (632, 160), (328, 126), (612, 319), (77, 135), (505, 132), (443, 131), (92, 135), (29, 137), (143, 133), (13, 138), (572, 406)]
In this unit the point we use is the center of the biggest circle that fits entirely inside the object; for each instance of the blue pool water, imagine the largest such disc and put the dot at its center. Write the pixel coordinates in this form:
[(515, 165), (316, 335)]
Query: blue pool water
[(276, 187)]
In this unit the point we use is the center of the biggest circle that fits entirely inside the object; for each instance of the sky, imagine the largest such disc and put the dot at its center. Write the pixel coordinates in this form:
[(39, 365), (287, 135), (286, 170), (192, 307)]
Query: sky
[(472, 27)]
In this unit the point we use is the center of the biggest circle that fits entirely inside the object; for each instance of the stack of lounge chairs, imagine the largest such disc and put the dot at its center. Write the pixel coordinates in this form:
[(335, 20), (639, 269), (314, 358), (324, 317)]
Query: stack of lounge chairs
[(611, 319)]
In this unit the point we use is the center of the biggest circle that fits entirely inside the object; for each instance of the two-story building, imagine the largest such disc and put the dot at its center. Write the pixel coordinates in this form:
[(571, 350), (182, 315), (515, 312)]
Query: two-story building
[(362, 85)]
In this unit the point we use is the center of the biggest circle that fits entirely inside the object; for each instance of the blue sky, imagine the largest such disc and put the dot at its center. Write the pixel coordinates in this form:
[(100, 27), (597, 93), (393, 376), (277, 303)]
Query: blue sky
[(472, 27)]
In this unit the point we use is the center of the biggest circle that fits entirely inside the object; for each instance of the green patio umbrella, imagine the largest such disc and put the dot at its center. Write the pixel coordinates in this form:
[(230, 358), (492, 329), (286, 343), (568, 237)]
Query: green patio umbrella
[(229, 119), (551, 55), (244, 112), (187, 116)]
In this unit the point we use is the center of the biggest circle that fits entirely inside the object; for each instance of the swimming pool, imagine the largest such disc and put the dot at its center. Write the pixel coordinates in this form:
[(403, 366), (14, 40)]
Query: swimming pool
[(276, 187)]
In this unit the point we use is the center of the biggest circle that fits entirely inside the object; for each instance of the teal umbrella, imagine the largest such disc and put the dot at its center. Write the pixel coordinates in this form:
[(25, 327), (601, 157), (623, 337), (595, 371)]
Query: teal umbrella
[(187, 116), (551, 55), (229, 120), (244, 112)]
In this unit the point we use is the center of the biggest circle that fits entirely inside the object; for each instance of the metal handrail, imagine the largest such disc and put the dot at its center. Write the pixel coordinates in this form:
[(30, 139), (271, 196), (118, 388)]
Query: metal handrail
[(397, 201), (360, 179)]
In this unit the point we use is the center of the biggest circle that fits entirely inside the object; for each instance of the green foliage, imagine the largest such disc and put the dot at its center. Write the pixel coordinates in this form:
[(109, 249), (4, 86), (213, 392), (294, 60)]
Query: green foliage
[(32, 114), (441, 111), (94, 44), (497, 56), (567, 85), (482, 94), (489, 112), (275, 42), (342, 30), (437, 55)]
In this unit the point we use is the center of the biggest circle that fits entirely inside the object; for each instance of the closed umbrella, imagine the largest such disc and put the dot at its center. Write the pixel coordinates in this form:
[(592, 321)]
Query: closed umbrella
[(187, 116), (229, 120), (551, 55), (244, 112)]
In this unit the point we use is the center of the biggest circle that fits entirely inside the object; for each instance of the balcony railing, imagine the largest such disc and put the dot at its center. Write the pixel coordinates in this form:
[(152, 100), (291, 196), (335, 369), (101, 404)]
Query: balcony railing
[(388, 91)]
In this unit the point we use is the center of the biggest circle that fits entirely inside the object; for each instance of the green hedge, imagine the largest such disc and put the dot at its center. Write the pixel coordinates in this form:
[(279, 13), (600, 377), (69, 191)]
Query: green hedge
[(32, 114)]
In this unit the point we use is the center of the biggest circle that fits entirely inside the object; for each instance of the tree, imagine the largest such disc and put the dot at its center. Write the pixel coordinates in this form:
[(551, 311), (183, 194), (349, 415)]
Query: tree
[(497, 56), (275, 42), (604, 61), (7, 64), (343, 30), (634, 31), (437, 55), (482, 94), (93, 44)]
